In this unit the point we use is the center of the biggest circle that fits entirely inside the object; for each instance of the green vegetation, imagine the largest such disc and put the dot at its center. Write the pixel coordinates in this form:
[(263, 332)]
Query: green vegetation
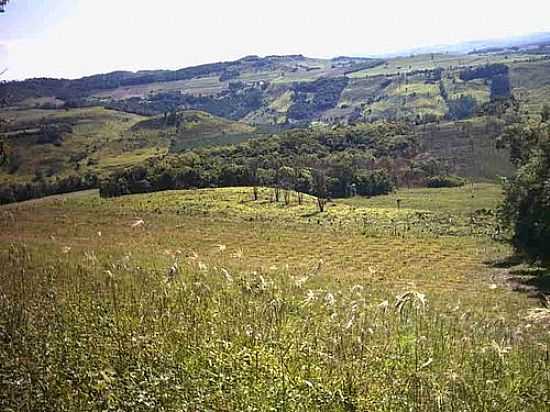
[(445, 181), (193, 300), (526, 209), (335, 90), (324, 235), (367, 158)]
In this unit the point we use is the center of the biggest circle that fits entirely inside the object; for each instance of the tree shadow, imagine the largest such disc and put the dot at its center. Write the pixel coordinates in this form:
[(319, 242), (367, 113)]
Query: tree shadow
[(506, 262), (533, 280), (312, 214)]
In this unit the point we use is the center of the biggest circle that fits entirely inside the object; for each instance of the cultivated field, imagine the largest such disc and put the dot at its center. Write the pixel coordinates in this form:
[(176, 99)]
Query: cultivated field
[(207, 300)]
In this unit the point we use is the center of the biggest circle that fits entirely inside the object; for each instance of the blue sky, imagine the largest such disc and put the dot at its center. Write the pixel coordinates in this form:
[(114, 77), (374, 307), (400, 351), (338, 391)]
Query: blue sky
[(72, 38)]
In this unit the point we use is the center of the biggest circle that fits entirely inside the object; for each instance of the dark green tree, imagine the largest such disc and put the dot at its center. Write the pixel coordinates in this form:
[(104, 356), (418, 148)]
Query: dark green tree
[(526, 207), (545, 113), (320, 188)]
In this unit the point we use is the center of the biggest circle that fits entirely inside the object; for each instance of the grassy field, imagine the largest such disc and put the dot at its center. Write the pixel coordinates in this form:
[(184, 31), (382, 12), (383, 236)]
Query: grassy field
[(99, 137), (104, 140), (207, 300), (408, 64)]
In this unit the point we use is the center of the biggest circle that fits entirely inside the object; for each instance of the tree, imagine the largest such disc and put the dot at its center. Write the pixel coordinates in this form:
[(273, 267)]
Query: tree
[(320, 188), (545, 113), (3, 4), (526, 207), (286, 177)]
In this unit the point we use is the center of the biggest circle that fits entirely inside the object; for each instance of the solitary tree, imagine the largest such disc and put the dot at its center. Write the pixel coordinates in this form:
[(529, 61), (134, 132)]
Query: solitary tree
[(545, 113), (320, 188)]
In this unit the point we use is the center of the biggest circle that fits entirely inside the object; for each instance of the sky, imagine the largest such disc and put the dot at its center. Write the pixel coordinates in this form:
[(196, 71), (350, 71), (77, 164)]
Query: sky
[(74, 38)]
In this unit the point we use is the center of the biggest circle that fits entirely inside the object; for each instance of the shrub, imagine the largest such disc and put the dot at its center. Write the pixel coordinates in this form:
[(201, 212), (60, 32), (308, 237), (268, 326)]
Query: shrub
[(444, 181), (526, 207), (372, 183)]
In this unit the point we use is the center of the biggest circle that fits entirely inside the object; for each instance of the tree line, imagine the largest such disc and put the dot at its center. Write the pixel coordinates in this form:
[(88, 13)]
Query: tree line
[(328, 163)]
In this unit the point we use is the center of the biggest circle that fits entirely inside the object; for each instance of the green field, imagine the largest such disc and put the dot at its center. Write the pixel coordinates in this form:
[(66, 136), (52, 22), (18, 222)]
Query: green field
[(207, 300), (104, 140)]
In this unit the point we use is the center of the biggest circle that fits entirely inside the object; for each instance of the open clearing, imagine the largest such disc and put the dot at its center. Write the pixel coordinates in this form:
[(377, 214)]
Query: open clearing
[(207, 300)]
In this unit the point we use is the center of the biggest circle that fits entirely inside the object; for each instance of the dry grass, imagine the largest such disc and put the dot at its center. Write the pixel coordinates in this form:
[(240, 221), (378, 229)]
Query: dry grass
[(212, 310)]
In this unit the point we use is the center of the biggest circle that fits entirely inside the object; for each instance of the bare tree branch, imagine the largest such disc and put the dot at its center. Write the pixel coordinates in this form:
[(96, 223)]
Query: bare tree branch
[(3, 5)]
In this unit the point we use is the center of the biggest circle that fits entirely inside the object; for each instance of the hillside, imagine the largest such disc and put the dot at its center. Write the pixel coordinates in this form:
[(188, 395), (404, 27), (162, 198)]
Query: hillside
[(455, 106), (43, 143), (297, 89), (208, 300)]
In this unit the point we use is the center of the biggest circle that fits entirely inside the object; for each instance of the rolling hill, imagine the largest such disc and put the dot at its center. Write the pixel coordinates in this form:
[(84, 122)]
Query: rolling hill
[(456, 105)]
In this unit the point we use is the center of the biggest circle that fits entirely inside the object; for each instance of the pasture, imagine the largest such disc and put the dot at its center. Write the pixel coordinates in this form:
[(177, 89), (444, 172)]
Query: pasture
[(207, 300)]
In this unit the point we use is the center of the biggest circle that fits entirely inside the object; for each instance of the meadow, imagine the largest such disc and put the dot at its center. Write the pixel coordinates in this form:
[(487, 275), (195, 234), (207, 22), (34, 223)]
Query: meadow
[(208, 300)]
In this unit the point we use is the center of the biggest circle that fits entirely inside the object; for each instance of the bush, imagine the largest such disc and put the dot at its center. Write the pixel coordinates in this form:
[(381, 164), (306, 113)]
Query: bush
[(18, 192), (461, 108), (445, 181), (526, 207), (372, 183)]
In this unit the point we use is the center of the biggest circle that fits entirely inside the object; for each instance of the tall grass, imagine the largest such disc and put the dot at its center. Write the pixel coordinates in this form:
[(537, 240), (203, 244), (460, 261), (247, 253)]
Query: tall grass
[(103, 333)]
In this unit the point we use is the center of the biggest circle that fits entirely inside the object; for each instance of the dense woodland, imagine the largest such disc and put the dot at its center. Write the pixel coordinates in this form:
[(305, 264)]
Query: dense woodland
[(327, 162)]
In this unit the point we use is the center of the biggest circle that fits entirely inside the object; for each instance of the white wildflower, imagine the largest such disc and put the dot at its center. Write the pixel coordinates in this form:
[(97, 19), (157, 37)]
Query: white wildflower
[(310, 296), (383, 306), (226, 274), (238, 254), (138, 223), (330, 299), (301, 281)]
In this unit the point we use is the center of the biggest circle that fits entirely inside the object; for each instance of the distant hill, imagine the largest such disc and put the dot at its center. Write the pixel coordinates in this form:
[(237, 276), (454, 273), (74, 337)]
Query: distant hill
[(56, 143), (106, 122), (297, 90)]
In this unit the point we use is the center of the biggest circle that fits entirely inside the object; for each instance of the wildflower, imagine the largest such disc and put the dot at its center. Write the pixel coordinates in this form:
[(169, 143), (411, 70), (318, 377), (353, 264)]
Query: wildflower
[(193, 256), (173, 270), (202, 267), (65, 249), (226, 274), (138, 223), (492, 286), (427, 363), (357, 289), (221, 248), (349, 323), (238, 254), (500, 350), (300, 281), (310, 297), (417, 299), (330, 299), (383, 306)]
